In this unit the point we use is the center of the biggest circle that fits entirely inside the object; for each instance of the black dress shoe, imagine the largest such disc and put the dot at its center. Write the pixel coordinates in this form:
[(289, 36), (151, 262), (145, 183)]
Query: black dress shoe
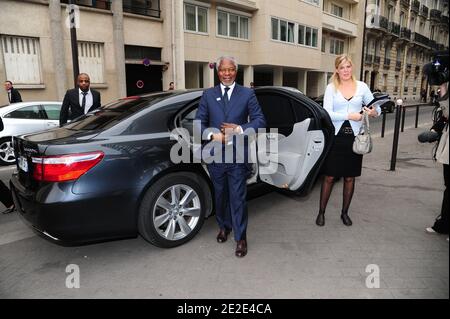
[(222, 236), (346, 220), (241, 248), (320, 220), (9, 210)]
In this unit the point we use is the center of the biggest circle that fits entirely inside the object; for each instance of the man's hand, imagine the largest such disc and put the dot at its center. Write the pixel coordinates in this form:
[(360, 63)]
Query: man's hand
[(229, 129), (219, 137)]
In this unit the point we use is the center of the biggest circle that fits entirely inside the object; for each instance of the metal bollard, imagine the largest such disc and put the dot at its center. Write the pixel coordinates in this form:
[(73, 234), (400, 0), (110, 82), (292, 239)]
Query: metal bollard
[(417, 116), (383, 123), (403, 117), (396, 134)]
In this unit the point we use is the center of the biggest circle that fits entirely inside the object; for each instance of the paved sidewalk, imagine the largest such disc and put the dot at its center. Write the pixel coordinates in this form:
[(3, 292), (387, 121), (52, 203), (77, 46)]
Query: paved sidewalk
[(289, 256)]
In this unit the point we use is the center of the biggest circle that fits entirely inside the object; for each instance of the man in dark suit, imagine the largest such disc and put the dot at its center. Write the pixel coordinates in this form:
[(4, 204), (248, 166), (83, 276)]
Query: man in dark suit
[(13, 94), (224, 110), (79, 101)]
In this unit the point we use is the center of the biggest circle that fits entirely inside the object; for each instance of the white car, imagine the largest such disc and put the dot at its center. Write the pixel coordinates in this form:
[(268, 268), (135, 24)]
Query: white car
[(22, 118)]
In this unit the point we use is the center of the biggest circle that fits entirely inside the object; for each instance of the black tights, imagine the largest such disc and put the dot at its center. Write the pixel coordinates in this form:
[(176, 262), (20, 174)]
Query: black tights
[(327, 187)]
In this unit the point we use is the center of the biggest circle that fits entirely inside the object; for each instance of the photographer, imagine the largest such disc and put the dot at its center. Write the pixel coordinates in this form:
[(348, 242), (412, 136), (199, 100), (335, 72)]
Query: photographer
[(438, 74)]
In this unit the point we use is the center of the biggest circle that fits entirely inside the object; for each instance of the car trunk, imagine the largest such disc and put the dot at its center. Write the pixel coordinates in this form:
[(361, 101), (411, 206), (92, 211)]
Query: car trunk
[(28, 146)]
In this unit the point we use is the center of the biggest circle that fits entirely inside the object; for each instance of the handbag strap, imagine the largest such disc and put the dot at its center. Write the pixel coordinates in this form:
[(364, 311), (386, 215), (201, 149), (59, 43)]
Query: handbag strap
[(365, 127)]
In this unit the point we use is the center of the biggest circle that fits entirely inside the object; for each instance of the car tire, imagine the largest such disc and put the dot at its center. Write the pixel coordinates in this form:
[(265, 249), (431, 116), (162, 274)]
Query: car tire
[(164, 219), (6, 152)]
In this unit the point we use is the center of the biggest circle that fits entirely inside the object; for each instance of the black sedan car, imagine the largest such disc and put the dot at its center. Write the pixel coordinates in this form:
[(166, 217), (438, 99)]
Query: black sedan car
[(110, 175)]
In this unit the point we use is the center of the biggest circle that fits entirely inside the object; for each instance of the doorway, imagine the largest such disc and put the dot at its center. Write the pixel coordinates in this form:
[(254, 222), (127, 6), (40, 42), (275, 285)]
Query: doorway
[(142, 79)]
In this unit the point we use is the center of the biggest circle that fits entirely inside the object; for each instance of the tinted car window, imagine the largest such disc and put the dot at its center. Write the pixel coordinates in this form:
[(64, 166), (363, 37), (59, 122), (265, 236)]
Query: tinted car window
[(301, 110), (52, 111), (29, 112), (278, 112), (108, 115)]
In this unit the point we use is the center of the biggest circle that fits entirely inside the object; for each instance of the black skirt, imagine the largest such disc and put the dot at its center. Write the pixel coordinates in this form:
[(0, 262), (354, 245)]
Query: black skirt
[(342, 161)]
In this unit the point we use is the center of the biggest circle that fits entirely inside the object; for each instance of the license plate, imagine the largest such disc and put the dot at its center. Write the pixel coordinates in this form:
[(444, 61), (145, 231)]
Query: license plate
[(23, 164)]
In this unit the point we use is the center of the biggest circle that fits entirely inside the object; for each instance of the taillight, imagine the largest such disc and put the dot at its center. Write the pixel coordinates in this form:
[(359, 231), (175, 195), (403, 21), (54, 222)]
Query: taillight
[(64, 167)]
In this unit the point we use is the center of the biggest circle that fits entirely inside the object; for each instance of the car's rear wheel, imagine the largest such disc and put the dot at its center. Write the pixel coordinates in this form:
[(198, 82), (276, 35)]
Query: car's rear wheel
[(6, 152), (173, 209)]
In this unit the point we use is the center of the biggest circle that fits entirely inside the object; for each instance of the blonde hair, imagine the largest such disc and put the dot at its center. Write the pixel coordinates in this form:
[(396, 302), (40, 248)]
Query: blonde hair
[(335, 77)]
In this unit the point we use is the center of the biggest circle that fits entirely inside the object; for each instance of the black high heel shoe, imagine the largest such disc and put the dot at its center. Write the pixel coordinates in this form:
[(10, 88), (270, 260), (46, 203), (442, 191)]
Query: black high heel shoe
[(346, 220), (9, 210), (320, 220)]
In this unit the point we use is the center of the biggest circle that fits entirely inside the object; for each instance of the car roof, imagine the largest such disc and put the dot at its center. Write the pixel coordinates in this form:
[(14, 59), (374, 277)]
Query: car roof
[(11, 107)]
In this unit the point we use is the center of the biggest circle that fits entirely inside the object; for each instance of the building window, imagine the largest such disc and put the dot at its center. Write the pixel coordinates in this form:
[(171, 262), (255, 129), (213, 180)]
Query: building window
[(21, 59), (323, 44), (283, 30), (195, 18), (307, 36), (337, 10), (142, 7), (90, 57), (336, 46), (232, 25), (316, 2)]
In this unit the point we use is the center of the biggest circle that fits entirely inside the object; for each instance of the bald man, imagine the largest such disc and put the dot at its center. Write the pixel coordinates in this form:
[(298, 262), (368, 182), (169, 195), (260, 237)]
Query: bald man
[(79, 101)]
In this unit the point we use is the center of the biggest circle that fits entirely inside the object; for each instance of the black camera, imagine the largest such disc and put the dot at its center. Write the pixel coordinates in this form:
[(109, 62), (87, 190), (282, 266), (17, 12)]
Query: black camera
[(437, 71)]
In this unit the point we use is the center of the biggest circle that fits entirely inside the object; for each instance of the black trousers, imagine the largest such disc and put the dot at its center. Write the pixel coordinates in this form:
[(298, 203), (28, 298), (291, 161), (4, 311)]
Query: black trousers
[(5, 195), (441, 223)]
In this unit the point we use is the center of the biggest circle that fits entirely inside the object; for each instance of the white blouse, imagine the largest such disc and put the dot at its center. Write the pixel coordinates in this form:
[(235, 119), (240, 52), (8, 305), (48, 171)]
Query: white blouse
[(338, 107)]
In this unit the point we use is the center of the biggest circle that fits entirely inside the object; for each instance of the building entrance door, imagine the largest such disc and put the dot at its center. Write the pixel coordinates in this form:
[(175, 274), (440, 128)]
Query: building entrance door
[(143, 79)]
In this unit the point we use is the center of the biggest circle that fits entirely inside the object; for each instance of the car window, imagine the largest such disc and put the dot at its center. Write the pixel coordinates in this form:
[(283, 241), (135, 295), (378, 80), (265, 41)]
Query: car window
[(302, 111), (52, 111), (108, 115), (278, 112), (32, 112)]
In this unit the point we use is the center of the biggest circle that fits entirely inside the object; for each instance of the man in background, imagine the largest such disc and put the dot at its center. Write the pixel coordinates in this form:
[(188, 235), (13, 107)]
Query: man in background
[(79, 101), (13, 94)]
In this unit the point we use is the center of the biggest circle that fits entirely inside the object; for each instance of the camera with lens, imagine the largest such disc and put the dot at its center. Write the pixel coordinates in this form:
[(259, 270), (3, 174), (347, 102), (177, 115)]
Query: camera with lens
[(437, 73)]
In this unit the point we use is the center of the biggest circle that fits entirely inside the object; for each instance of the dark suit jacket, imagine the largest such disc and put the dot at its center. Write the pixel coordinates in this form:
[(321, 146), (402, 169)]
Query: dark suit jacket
[(15, 96), (71, 108), (243, 109)]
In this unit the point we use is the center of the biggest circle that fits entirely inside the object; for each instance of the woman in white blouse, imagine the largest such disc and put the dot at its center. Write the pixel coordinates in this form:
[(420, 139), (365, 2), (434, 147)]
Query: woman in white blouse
[(344, 99)]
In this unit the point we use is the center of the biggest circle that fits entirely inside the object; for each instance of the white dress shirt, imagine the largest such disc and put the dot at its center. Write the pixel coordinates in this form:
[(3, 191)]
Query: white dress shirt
[(89, 100)]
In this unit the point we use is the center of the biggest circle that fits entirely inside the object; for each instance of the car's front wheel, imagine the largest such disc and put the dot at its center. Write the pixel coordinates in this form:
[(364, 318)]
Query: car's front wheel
[(6, 151), (173, 209)]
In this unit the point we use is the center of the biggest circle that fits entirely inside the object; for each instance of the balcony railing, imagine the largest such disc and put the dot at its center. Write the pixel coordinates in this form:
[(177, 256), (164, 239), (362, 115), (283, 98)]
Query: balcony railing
[(394, 28), (435, 15), (368, 59), (415, 6), (376, 60), (398, 65), (433, 45), (418, 38), (405, 33), (136, 7), (405, 2), (423, 11), (98, 4), (387, 63), (379, 21), (441, 47)]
